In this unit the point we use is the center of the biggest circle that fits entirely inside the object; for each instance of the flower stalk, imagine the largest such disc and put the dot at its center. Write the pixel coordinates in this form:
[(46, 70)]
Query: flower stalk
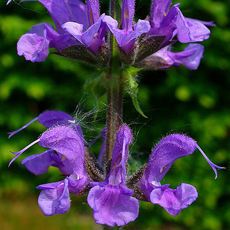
[(80, 34), (114, 91), (114, 107)]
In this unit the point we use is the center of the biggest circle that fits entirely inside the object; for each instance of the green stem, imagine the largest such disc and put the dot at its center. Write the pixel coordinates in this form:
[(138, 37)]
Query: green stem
[(114, 111), (114, 92)]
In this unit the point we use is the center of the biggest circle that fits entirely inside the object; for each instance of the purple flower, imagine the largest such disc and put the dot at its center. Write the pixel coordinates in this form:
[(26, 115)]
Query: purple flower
[(111, 200), (81, 31), (147, 43), (66, 152), (75, 26), (168, 150), (127, 36), (94, 36), (172, 22), (167, 23), (111, 195), (164, 58), (49, 119), (69, 146), (54, 198)]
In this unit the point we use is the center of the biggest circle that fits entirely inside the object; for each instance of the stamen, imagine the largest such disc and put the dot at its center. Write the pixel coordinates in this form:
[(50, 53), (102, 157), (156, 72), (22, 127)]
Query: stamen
[(23, 127), (22, 151), (214, 166)]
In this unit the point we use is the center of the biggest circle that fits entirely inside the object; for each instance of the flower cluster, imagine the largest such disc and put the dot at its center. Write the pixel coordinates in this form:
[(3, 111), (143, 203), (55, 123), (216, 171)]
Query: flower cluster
[(81, 34), (112, 195)]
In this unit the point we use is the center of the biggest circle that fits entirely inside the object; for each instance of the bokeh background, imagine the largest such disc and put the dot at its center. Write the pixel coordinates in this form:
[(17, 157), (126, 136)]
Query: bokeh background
[(196, 103)]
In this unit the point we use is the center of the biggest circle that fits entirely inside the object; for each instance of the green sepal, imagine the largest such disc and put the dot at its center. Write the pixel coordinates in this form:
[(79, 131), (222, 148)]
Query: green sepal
[(148, 46), (83, 54), (131, 86)]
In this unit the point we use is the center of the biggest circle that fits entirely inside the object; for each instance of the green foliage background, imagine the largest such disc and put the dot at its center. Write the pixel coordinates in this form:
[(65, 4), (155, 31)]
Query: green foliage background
[(196, 103)]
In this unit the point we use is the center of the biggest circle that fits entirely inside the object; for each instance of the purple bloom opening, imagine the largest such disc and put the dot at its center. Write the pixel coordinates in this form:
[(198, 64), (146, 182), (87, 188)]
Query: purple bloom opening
[(111, 200), (127, 36), (112, 196), (54, 198), (75, 25), (168, 150)]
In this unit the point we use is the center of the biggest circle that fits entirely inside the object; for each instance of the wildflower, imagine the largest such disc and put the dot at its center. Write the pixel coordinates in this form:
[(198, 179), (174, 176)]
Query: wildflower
[(147, 43), (80, 34), (171, 22), (164, 58), (66, 152), (50, 119), (127, 36), (70, 149), (81, 30), (111, 200), (70, 18), (112, 196), (168, 150)]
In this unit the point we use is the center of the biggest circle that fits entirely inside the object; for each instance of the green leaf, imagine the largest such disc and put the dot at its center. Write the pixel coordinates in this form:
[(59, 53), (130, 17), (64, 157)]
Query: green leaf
[(131, 86)]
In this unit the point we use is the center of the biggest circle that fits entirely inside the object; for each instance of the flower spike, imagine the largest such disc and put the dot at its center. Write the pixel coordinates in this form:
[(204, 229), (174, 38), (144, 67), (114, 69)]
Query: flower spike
[(111, 200), (168, 150), (80, 32)]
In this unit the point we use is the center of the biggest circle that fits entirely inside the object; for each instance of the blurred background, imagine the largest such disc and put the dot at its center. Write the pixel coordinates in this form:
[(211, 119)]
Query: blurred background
[(196, 103)]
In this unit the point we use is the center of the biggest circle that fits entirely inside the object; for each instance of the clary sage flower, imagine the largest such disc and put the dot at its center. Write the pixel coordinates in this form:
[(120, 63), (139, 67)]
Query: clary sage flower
[(119, 49), (81, 34), (112, 195), (78, 25)]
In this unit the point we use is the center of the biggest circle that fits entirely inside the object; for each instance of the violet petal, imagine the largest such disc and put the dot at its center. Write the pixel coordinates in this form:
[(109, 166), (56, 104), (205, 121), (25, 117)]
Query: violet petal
[(174, 200), (93, 11), (113, 205), (63, 11), (190, 57), (38, 163), (54, 198), (190, 30)]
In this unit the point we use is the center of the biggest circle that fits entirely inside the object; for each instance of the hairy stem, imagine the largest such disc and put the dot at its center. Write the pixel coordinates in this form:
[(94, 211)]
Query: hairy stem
[(114, 111), (114, 92)]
